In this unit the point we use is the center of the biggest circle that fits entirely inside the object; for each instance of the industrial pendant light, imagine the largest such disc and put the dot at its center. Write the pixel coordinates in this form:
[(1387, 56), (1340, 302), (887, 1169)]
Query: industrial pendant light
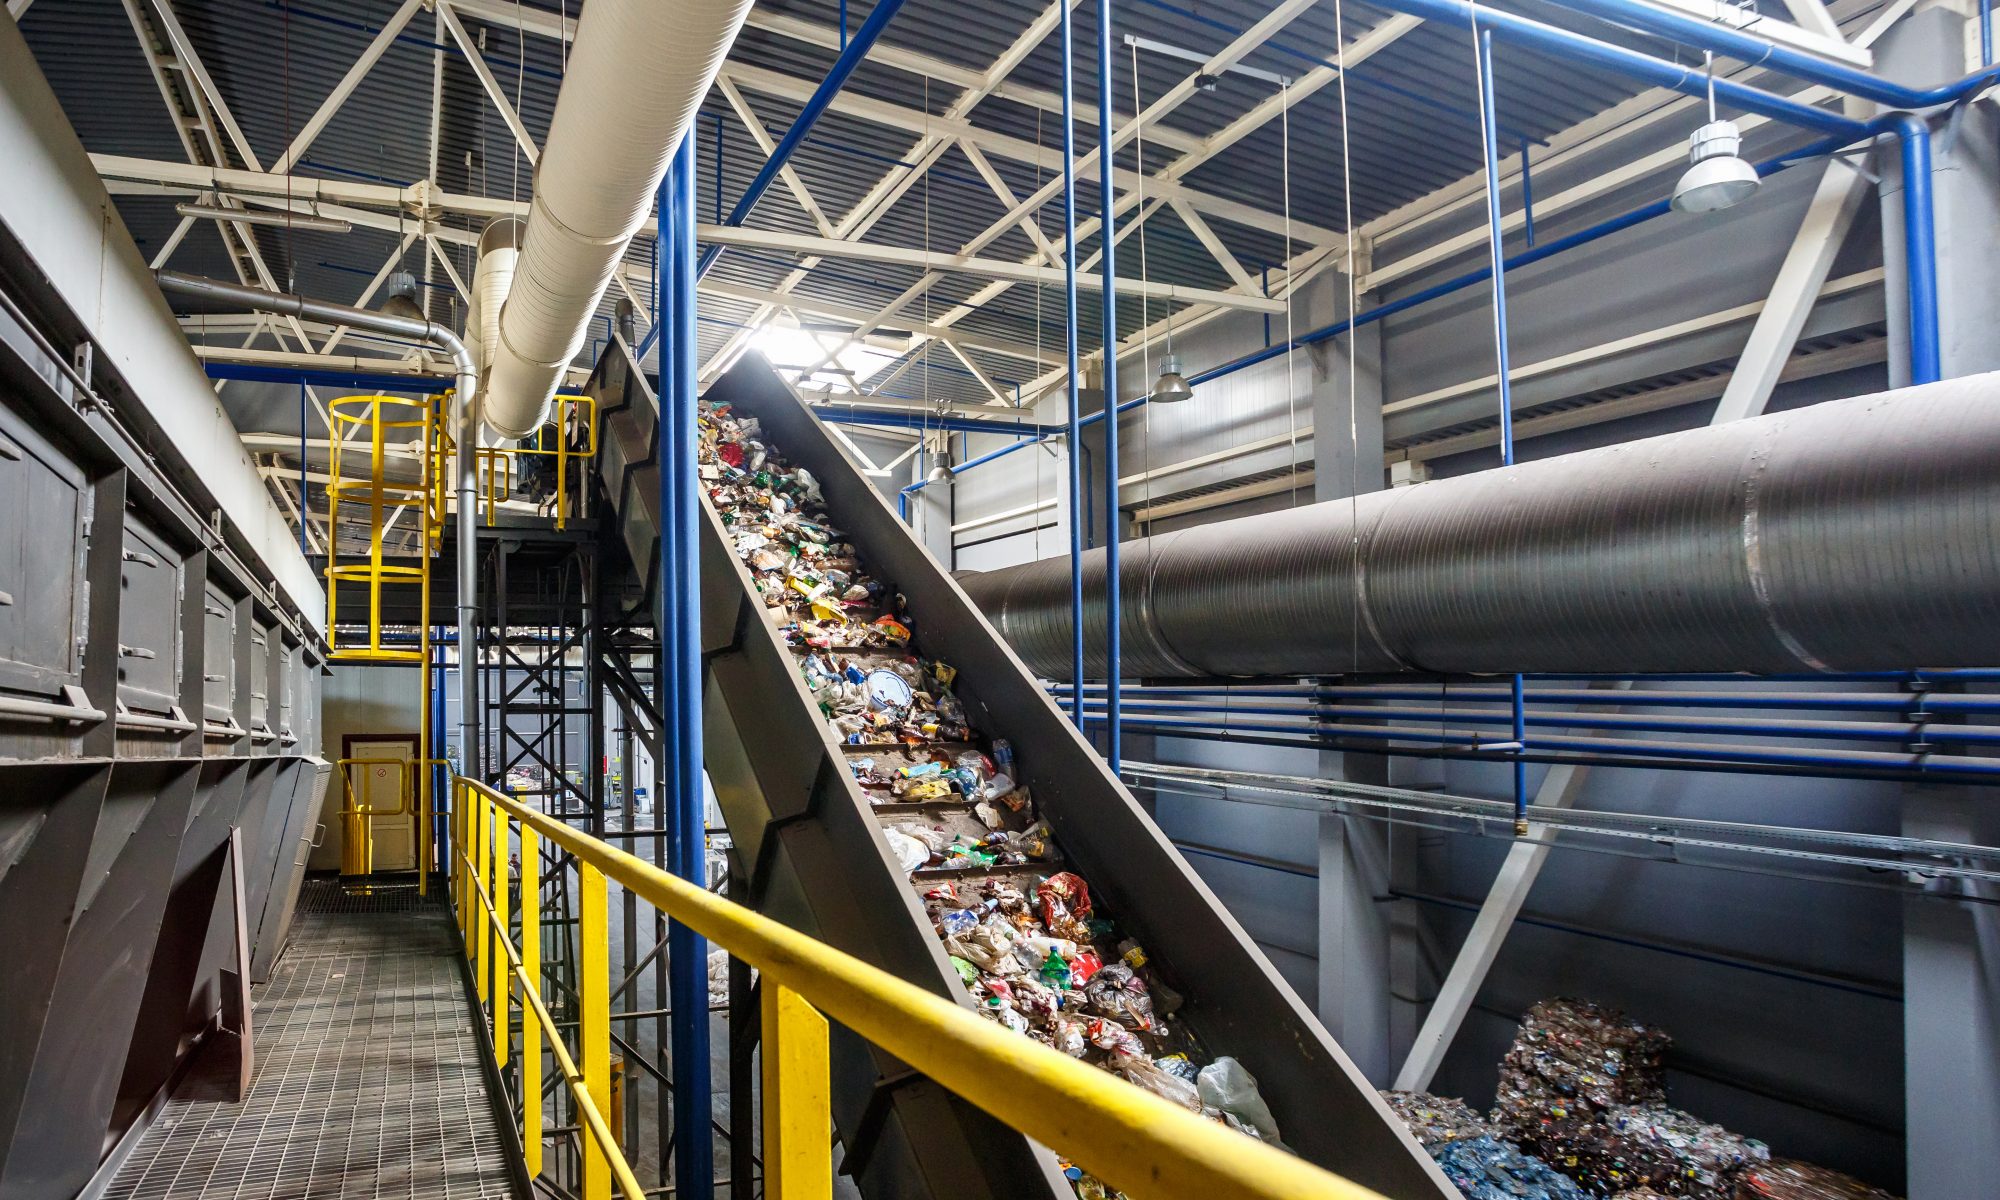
[(1171, 387), (399, 297), (942, 471), (1717, 177)]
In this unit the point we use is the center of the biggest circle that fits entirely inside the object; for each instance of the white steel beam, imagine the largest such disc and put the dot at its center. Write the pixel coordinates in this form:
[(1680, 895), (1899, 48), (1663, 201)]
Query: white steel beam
[(1638, 341), (1815, 33), (965, 264), (341, 91), (1693, 391), (1213, 245), (762, 137), (840, 312), (188, 61), (477, 62), (1049, 158), (1801, 278), (887, 189)]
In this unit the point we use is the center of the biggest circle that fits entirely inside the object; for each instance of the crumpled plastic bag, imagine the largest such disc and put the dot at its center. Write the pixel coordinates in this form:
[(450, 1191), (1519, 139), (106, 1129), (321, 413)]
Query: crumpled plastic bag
[(1226, 1087), (910, 852), (1139, 1069)]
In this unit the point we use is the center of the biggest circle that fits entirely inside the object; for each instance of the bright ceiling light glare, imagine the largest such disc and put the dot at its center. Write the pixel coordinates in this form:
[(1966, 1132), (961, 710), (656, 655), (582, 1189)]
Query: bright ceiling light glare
[(1171, 387), (798, 355), (1717, 177), (244, 216)]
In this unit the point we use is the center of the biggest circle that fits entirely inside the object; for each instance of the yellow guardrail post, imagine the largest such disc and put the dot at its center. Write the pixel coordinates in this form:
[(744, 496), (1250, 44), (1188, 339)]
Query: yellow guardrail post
[(482, 870), (531, 1022), (798, 1114), (1116, 1131), (593, 1046), (502, 1016)]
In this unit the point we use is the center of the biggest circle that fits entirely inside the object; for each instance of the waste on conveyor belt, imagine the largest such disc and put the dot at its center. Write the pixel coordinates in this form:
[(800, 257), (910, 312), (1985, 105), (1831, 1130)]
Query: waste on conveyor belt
[(1789, 1179), (1034, 949), (1436, 1120)]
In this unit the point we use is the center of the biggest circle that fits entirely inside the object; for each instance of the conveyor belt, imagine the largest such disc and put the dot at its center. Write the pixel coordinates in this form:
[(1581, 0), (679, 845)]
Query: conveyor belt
[(814, 849)]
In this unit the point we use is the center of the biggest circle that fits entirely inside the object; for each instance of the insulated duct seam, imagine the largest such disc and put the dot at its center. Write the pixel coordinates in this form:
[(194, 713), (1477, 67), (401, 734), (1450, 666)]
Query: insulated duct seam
[(1853, 535), (637, 73)]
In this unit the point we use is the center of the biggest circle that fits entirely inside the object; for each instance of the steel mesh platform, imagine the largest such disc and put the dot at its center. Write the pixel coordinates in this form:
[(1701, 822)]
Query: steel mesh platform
[(368, 1079)]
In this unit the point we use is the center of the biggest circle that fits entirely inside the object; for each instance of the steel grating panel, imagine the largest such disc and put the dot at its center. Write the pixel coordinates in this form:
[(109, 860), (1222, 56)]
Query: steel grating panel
[(368, 1080)]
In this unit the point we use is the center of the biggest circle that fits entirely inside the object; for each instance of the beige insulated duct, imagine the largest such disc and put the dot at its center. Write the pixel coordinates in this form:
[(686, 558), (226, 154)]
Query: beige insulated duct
[(492, 279), (636, 78)]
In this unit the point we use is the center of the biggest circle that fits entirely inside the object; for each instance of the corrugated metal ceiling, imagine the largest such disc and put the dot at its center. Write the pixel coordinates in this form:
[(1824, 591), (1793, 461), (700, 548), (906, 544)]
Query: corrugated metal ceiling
[(1412, 130)]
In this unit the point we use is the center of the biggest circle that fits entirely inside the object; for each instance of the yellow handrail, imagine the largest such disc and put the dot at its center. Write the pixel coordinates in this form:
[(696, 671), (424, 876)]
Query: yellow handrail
[(1115, 1130)]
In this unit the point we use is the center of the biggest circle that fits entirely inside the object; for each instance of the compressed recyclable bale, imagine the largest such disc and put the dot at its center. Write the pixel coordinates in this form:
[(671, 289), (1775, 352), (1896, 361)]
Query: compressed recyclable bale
[(1661, 1148), (1436, 1120), (1790, 1179), (1487, 1168)]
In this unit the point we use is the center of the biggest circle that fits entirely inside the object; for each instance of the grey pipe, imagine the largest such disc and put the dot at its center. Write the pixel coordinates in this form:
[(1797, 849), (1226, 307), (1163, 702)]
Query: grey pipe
[(306, 308), (1855, 535)]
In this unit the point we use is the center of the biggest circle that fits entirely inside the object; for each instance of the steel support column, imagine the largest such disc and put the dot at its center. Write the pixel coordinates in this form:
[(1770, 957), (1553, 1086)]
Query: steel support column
[(1106, 172), (680, 657)]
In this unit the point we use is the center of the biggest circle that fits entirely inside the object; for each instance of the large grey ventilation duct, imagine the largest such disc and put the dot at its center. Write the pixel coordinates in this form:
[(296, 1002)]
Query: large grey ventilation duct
[(1856, 535), (636, 78)]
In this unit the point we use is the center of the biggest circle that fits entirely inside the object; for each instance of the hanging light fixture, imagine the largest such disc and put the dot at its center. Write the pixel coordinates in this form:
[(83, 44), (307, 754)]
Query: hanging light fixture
[(941, 471), (1171, 387), (399, 296), (245, 216), (1717, 177)]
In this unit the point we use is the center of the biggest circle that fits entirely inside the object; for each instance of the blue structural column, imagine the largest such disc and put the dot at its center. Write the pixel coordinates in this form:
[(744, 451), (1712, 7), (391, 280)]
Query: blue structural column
[(680, 656), (1075, 415), (1489, 135), (1106, 170)]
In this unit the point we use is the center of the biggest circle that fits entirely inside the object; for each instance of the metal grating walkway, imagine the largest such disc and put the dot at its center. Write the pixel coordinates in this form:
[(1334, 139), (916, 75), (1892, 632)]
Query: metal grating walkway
[(368, 1085)]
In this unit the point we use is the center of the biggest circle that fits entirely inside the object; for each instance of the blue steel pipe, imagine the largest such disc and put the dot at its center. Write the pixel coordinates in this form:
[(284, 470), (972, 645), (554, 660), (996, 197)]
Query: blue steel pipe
[(1073, 416), (1919, 245), (680, 651), (1578, 48), (908, 420), (1106, 168), (1757, 51), (851, 55), (1489, 136), (1860, 731), (421, 385), (1836, 760), (1929, 702)]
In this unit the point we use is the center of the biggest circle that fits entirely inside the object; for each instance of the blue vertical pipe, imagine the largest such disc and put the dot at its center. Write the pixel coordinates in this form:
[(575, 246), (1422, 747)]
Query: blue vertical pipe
[(1919, 247), (1527, 194), (718, 170), (1490, 138), (1075, 417), (680, 656), (1106, 169)]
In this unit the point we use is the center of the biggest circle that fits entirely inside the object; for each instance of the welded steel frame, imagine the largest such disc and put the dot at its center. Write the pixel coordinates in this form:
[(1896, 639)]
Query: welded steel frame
[(113, 884)]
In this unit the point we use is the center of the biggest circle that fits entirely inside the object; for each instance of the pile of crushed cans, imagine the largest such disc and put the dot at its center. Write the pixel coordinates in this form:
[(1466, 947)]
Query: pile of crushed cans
[(1035, 951), (1581, 1099)]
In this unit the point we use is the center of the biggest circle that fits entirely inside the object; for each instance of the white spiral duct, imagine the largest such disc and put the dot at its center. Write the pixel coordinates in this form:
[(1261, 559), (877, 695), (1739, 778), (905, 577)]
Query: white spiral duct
[(637, 75)]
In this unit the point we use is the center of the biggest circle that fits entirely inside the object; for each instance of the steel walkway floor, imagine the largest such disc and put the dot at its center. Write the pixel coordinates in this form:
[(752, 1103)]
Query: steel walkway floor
[(368, 1082)]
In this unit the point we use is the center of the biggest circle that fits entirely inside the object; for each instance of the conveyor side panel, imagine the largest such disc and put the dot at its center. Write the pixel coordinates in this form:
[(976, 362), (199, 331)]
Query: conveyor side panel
[(819, 862)]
